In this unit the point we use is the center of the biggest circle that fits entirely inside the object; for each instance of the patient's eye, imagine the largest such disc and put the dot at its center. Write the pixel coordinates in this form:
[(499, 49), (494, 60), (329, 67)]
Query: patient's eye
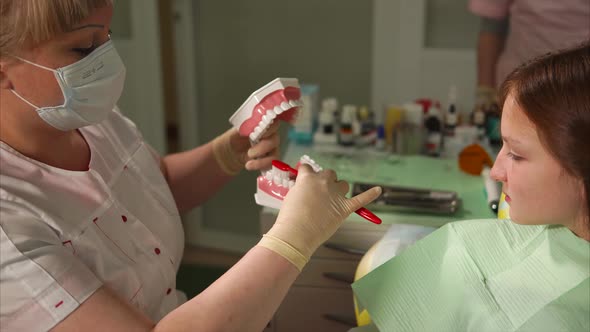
[(514, 157)]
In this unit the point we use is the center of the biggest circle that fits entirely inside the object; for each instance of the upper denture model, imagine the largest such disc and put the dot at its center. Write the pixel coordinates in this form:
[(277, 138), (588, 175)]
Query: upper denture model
[(279, 99)]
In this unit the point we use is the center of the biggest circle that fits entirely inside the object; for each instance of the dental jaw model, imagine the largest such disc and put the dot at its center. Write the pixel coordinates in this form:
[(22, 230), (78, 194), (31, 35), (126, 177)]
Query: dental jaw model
[(279, 99), (273, 185)]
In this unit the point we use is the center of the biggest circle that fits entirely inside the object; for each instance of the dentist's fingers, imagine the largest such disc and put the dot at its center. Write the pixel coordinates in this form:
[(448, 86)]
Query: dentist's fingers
[(329, 174), (364, 198), (303, 170), (274, 128), (262, 163), (342, 186), (265, 146)]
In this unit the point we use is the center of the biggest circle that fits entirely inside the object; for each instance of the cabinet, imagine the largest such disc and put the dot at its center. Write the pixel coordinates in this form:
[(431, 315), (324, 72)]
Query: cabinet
[(321, 297)]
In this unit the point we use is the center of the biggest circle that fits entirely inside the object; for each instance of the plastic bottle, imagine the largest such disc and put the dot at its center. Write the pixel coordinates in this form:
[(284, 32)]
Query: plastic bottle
[(451, 116), (493, 125), (433, 127), (492, 188), (346, 134), (380, 142), (368, 131), (326, 133), (478, 118), (412, 130)]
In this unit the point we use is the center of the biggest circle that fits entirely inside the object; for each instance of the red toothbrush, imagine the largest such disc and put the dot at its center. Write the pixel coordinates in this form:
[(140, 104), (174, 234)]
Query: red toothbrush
[(363, 212)]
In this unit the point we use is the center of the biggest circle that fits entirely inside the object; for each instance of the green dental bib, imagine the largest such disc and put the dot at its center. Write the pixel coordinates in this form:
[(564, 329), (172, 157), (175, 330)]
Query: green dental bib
[(483, 275)]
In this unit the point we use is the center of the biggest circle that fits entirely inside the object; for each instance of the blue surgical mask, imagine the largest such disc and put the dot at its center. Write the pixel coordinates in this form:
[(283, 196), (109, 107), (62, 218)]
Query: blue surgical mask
[(91, 88)]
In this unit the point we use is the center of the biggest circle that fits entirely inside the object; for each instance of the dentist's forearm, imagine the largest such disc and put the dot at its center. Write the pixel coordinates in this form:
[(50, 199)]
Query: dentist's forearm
[(243, 299), (193, 176)]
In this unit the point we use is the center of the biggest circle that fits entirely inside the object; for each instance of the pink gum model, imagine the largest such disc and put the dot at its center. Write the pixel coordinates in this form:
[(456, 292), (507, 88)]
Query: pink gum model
[(279, 99)]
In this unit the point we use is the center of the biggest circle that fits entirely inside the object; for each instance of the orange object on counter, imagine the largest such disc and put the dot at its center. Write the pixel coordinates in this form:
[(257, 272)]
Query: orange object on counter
[(473, 158)]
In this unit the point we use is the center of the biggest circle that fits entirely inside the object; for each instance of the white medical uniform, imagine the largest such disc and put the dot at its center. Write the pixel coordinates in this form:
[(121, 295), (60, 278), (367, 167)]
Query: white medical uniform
[(63, 234)]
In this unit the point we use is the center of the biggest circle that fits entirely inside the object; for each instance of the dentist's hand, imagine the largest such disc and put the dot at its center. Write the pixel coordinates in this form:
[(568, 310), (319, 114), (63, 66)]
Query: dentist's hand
[(311, 213), (234, 152)]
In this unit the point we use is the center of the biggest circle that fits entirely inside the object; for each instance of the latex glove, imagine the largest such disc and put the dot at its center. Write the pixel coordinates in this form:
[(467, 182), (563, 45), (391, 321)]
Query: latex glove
[(311, 213), (234, 152)]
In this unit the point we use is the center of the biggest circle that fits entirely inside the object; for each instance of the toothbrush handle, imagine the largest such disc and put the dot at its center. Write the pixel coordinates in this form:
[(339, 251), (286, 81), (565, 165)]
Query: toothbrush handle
[(370, 216)]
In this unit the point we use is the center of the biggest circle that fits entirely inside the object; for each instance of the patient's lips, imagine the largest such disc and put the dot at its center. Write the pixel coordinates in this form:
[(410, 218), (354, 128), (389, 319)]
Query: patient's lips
[(279, 99)]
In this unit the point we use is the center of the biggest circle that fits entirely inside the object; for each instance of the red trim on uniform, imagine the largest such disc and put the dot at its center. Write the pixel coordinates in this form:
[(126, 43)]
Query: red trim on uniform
[(71, 243), (59, 303)]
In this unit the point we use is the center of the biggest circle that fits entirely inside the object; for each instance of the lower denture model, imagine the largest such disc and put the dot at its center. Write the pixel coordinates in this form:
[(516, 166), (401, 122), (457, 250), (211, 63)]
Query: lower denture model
[(273, 185), (279, 99)]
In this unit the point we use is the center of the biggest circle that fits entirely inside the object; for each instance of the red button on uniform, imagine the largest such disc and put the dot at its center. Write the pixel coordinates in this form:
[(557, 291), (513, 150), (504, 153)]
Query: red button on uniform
[(157, 251), (168, 291), (124, 218)]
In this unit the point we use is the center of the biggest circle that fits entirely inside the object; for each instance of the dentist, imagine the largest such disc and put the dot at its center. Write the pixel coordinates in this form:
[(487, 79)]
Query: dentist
[(90, 233)]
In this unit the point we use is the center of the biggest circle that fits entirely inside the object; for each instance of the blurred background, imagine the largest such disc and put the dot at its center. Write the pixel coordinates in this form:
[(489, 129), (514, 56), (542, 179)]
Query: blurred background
[(192, 63)]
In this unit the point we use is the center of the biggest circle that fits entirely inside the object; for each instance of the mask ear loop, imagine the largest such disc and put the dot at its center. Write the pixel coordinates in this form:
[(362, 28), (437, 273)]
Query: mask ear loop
[(36, 65), (23, 99)]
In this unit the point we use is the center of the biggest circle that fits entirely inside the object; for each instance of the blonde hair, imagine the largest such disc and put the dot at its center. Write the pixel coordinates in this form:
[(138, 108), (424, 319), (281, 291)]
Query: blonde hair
[(30, 22)]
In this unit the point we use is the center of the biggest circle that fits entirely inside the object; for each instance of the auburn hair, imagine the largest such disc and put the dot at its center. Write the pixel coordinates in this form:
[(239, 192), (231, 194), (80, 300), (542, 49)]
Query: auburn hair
[(554, 92)]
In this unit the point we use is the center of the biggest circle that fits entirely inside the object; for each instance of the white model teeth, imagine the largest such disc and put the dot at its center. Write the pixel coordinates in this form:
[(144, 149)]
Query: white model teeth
[(277, 180), (279, 177), (268, 118), (285, 106), (305, 159)]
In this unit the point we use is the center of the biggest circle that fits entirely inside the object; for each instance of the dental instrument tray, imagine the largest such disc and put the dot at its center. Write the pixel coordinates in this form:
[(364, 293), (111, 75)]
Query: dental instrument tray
[(407, 199)]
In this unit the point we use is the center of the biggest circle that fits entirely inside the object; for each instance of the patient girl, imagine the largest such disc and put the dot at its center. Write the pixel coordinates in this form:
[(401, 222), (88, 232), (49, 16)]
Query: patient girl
[(529, 273)]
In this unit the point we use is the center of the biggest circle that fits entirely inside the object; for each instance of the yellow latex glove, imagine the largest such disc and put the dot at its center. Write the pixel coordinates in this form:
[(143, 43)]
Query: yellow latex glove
[(234, 152), (311, 213)]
